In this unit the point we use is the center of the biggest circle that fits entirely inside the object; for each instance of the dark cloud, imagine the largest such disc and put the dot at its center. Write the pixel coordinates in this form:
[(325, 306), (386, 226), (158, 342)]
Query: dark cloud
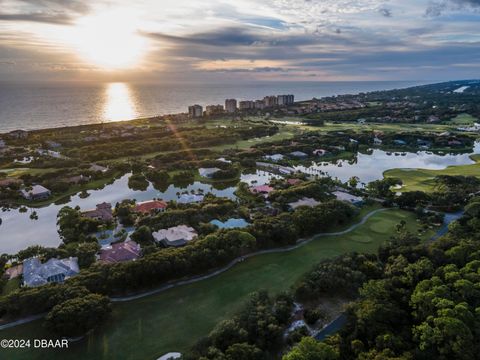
[(385, 12), (437, 8), (61, 19), (77, 6), (263, 69)]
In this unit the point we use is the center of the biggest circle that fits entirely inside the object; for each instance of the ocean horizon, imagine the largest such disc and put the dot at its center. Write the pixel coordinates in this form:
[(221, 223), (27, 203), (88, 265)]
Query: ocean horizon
[(40, 105)]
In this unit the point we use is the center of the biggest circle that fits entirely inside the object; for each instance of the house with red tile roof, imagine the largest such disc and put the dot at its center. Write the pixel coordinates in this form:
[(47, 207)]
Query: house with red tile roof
[(262, 190), (123, 251), (150, 206)]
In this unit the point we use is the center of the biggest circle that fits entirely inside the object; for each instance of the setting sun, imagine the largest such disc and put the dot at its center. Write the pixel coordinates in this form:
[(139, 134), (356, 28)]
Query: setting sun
[(110, 40)]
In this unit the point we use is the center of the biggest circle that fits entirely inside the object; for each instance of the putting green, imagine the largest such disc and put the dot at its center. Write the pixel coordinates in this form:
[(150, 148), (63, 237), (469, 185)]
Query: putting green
[(424, 180), (174, 320)]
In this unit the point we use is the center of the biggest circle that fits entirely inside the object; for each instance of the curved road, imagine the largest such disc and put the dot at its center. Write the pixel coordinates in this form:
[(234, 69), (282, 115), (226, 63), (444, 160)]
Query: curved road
[(300, 242)]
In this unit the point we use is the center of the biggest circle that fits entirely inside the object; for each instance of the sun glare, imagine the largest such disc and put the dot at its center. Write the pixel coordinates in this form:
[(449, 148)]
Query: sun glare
[(110, 40), (119, 103)]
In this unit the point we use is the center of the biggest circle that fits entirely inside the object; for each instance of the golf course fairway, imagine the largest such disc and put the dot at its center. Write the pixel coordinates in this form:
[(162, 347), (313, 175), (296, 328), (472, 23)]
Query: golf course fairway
[(174, 320)]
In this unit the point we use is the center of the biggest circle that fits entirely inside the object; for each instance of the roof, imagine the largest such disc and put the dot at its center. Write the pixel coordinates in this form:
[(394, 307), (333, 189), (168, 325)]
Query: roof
[(96, 167), (148, 206), (10, 181), (35, 191), (304, 202), (274, 157), (177, 235), (123, 251), (102, 211), (262, 189), (54, 270), (294, 181), (298, 154), (344, 196), (207, 172)]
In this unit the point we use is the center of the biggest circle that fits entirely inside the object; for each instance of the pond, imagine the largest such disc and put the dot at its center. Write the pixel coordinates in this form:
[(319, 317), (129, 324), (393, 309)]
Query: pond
[(230, 223), (19, 231), (371, 166)]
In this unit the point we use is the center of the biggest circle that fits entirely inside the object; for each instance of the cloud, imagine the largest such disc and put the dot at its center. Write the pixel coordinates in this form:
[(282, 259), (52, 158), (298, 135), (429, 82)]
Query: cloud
[(437, 8), (385, 12), (60, 19)]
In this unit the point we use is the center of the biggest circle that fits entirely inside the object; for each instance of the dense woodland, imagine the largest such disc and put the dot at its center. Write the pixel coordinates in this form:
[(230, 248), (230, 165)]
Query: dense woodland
[(414, 301)]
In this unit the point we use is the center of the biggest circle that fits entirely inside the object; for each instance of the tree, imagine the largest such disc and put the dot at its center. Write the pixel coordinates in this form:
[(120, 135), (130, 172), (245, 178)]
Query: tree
[(311, 349), (76, 316), (244, 351), (143, 235)]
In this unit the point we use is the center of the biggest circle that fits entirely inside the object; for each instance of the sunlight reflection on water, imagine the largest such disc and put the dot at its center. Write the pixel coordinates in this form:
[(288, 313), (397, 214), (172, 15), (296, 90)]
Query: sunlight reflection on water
[(119, 103)]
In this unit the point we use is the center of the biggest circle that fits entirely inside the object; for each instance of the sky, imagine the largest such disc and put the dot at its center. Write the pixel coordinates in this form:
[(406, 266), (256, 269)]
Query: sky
[(242, 40)]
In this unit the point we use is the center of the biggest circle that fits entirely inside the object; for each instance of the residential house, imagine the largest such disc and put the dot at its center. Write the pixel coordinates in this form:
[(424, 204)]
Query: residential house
[(310, 202), (151, 206), (77, 179), (298, 155), (102, 212), (377, 141), (98, 168), (53, 144), (293, 181), (320, 152), (119, 252), (223, 160), (454, 143), (54, 270), (18, 134), (175, 236), (14, 271), (2, 144), (36, 192), (399, 142), (208, 172), (262, 190), (347, 197), (9, 182), (274, 157)]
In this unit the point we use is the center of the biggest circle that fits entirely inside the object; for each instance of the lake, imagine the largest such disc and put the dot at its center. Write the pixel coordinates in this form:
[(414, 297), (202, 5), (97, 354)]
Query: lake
[(18, 231)]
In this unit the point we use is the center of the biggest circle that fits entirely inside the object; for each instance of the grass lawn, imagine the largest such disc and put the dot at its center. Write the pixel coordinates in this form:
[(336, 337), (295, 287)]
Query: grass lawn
[(11, 285), (464, 119), (423, 179), (176, 319)]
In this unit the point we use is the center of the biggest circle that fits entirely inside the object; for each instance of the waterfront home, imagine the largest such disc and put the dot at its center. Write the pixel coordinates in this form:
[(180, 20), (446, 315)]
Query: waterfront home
[(36, 192), (9, 182), (347, 197), (102, 212), (231, 223), (54, 270), (424, 143), (18, 134), (222, 159), (151, 206), (274, 157), (175, 236), (208, 172), (399, 142), (14, 271), (53, 144), (77, 179), (285, 170), (190, 198), (298, 155), (98, 168), (262, 190), (454, 143), (119, 252), (377, 141), (319, 152), (293, 181), (309, 202)]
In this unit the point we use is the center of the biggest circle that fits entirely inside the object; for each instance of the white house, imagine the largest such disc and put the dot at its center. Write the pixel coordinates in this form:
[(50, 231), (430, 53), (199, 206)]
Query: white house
[(208, 172), (175, 236), (37, 192)]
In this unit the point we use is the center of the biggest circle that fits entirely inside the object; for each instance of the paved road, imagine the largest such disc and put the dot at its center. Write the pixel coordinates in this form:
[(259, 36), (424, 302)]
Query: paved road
[(195, 279)]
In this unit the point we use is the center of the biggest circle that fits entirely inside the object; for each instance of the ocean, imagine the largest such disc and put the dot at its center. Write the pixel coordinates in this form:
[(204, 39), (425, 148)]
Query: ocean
[(56, 104)]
